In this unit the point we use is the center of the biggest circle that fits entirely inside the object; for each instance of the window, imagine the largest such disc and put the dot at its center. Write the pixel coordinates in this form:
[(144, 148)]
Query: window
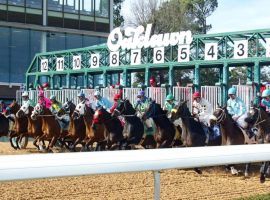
[(55, 5), (4, 54), (55, 41), (74, 41), (16, 2), (87, 7), (34, 4), (69, 6), (3, 1), (102, 8)]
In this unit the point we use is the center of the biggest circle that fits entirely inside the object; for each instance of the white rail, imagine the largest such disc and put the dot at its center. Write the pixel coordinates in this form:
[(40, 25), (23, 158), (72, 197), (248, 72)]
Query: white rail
[(18, 167)]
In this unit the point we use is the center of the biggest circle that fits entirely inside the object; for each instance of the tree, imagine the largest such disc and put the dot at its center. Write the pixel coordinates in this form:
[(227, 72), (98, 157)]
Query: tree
[(118, 19), (202, 9)]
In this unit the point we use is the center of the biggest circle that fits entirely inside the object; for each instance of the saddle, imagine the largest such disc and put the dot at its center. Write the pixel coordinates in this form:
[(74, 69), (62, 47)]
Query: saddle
[(248, 140)]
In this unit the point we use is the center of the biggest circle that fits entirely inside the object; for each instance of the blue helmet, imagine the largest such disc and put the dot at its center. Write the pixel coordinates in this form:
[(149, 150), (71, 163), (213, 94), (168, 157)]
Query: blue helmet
[(232, 91), (81, 94), (141, 93), (266, 93)]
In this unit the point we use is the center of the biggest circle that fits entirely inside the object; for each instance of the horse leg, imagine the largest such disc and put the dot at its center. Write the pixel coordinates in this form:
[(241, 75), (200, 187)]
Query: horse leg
[(19, 139), (77, 141), (52, 143), (247, 169), (268, 171), (11, 142), (35, 143), (263, 171), (197, 170)]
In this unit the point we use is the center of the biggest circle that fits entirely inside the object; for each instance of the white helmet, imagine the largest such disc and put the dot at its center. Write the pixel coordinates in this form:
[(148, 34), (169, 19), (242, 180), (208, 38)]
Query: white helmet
[(96, 93), (25, 94)]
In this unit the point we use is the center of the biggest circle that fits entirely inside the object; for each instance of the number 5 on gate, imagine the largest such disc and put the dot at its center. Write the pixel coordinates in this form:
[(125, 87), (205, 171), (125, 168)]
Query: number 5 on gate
[(183, 53)]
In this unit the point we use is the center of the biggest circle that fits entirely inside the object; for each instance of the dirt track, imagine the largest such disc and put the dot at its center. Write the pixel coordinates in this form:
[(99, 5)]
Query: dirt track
[(214, 183)]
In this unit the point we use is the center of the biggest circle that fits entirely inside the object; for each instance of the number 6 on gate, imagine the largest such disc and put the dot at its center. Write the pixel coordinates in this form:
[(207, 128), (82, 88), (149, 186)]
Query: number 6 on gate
[(158, 55)]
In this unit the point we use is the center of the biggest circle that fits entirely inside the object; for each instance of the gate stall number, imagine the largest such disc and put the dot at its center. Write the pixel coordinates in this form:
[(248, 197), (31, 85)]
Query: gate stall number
[(211, 53)]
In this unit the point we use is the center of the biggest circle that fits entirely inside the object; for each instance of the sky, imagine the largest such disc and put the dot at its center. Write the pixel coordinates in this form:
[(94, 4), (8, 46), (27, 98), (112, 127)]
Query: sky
[(234, 15)]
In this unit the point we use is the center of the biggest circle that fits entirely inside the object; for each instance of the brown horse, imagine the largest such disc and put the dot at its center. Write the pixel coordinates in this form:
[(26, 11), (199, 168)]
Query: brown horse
[(4, 125), (113, 127), (50, 127), (76, 130), (165, 128), (34, 126), (230, 132), (259, 118), (93, 133), (20, 125)]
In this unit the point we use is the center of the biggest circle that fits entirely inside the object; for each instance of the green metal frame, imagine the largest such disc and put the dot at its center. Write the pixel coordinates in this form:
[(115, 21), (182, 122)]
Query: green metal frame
[(256, 58)]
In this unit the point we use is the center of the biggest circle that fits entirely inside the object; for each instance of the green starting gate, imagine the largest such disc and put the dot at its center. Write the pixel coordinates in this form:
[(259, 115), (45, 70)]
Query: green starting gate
[(69, 67)]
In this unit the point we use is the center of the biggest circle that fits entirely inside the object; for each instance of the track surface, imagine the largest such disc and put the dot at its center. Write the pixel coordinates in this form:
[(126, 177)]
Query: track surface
[(214, 183)]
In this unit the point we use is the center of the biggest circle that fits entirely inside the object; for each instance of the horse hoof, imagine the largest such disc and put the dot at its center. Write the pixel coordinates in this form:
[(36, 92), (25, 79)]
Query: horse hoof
[(246, 174), (198, 171), (234, 172), (262, 178)]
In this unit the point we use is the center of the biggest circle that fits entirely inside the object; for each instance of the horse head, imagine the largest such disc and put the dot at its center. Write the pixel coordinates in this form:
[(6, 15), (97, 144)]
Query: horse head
[(154, 110), (124, 108), (67, 108), (38, 110), (220, 114), (13, 108), (25, 109), (82, 110), (181, 111), (101, 116)]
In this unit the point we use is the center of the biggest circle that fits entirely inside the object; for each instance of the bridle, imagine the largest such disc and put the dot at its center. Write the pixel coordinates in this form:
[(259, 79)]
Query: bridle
[(120, 112), (222, 116), (257, 122)]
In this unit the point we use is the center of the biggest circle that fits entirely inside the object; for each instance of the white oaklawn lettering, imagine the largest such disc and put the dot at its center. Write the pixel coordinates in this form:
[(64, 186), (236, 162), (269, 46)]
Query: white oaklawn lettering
[(137, 38)]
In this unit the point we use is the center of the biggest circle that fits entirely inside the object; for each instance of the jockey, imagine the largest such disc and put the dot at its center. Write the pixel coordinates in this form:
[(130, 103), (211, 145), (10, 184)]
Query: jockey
[(83, 99), (43, 100), (266, 100), (201, 108), (2, 106), (237, 109), (116, 98), (26, 100), (45, 86), (56, 105), (102, 101), (170, 103), (141, 106), (153, 82)]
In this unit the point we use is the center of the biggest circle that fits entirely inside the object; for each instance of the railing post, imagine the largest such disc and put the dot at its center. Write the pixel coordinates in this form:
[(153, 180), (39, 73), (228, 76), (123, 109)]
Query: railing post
[(156, 185)]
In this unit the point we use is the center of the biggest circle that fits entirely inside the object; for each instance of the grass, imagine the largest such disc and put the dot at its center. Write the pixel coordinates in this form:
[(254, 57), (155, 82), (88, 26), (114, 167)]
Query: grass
[(257, 197)]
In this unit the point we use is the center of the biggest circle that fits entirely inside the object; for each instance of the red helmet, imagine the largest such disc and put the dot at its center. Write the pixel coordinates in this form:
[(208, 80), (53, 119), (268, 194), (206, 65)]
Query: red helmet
[(196, 95), (117, 97), (45, 85), (152, 80)]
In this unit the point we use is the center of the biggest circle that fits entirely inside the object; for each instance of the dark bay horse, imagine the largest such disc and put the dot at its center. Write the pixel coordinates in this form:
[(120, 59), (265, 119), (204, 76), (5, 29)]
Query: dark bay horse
[(34, 126), (4, 125), (259, 118), (19, 128), (50, 127), (231, 133), (113, 127), (192, 131), (76, 130), (165, 128), (133, 124), (93, 133)]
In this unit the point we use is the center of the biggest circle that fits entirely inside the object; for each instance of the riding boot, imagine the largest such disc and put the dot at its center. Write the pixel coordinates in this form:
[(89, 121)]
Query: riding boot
[(250, 133)]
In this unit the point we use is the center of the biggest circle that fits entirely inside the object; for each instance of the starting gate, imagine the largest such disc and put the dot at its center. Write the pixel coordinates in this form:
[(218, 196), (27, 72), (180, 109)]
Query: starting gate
[(131, 94), (158, 94), (212, 94), (183, 94), (109, 93), (246, 93)]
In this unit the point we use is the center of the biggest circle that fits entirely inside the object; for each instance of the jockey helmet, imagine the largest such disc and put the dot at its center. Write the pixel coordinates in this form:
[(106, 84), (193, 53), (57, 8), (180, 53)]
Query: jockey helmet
[(1, 101), (140, 93), (45, 85), (266, 93), (96, 93), (152, 80), (25, 94), (169, 97), (41, 94), (116, 97), (52, 97), (232, 91), (196, 95), (81, 94)]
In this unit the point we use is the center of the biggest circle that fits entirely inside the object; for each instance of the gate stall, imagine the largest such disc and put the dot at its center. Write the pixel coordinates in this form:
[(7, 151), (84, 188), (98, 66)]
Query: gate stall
[(212, 94), (131, 94), (183, 94), (158, 94), (246, 93)]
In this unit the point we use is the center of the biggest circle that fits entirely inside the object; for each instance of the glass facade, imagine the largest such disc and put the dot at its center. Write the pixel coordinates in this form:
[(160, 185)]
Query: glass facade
[(92, 15), (19, 46)]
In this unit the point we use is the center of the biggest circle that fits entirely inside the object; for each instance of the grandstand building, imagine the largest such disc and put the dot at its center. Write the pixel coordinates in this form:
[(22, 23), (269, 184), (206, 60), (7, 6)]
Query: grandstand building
[(28, 27)]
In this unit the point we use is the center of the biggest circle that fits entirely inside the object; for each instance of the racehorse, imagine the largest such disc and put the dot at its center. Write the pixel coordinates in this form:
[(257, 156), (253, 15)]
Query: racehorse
[(113, 127), (4, 125), (133, 124), (76, 130), (192, 131), (34, 126), (93, 133), (50, 127), (165, 128), (230, 132), (259, 118), (20, 125)]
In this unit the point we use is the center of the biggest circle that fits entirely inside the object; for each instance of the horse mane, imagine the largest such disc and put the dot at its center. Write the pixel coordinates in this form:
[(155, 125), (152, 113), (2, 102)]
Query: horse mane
[(129, 107)]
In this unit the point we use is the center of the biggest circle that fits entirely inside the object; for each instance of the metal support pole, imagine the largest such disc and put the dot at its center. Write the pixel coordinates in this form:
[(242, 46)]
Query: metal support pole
[(85, 80), (51, 82), (225, 82), (257, 75), (156, 185), (104, 78), (147, 77), (171, 78), (68, 81), (125, 78), (249, 74), (197, 77)]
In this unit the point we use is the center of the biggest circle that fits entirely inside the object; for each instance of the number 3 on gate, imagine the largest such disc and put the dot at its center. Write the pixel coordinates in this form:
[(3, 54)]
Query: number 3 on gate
[(240, 49), (158, 55)]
